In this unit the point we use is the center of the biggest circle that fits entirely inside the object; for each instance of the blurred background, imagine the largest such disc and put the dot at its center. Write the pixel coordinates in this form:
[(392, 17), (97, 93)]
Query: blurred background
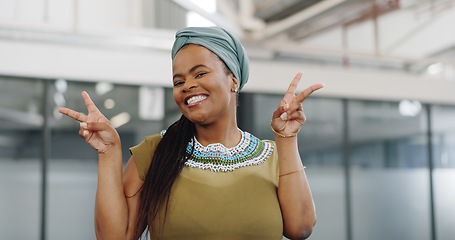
[(379, 142)]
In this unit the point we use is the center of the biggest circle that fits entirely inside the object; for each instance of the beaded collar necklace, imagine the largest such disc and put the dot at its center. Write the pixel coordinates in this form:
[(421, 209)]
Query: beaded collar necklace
[(216, 157)]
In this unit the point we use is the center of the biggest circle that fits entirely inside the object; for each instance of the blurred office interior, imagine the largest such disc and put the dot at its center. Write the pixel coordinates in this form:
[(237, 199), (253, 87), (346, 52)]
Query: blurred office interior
[(379, 141)]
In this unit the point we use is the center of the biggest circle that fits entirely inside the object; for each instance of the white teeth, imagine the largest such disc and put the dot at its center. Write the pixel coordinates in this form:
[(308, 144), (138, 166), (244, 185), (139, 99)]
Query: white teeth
[(196, 99)]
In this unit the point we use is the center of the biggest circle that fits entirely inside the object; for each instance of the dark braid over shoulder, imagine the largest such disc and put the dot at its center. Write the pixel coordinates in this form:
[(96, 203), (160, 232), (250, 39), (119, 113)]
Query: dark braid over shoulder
[(167, 163)]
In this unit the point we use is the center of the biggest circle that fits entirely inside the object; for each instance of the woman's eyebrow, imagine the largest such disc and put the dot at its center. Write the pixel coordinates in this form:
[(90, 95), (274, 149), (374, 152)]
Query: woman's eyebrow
[(196, 67), (191, 70), (176, 76)]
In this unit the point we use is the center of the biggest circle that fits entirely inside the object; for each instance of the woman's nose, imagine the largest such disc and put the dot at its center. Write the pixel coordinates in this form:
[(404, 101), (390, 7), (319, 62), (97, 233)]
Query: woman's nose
[(189, 85)]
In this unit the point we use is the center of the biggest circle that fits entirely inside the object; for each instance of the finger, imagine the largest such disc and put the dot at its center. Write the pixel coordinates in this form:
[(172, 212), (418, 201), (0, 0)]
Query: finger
[(278, 126), (282, 108), (95, 126), (83, 132), (295, 82), (293, 109), (284, 112), (298, 116), (297, 106), (73, 114), (91, 107), (307, 92), (290, 93), (277, 113)]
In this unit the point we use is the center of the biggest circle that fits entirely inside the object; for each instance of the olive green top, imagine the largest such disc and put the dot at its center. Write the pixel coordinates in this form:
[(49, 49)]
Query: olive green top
[(238, 204)]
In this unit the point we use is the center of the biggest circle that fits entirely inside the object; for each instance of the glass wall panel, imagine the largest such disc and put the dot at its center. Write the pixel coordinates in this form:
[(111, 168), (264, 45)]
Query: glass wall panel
[(320, 141), (388, 154), (443, 128), (389, 172), (135, 112), (320, 144), (20, 166)]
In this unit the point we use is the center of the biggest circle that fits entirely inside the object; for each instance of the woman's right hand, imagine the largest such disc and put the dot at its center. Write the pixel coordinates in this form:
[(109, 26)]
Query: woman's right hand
[(95, 128)]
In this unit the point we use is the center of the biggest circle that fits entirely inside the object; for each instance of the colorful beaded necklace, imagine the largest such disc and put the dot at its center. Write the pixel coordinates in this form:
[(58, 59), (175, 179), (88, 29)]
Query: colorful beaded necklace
[(216, 157)]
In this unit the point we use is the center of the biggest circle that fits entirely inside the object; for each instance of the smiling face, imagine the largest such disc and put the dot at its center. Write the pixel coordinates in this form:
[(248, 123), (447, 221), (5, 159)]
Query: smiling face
[(203, 85)]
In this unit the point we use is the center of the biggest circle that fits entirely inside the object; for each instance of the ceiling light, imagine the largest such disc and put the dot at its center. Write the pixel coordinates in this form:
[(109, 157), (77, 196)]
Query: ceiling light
[(109, 103), (103, 88), (410, 108), (59, 99), (435, 68), (120, 119), (61, 85), (208, 5), (194, 19)]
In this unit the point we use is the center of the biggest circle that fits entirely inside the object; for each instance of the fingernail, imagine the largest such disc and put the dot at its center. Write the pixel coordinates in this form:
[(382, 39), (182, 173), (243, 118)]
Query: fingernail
[(286, 106), (85, 133), (83, 125), (284, 116)]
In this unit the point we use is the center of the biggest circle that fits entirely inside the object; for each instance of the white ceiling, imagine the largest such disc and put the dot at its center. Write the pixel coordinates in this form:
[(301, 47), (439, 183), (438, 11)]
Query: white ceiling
[(406, 36), (397, 31)]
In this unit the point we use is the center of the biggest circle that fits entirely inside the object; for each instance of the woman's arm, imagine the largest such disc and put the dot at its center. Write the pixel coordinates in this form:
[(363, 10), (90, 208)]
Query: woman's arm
[(294, 193), (112, 209), (132, 187), (117, 198)]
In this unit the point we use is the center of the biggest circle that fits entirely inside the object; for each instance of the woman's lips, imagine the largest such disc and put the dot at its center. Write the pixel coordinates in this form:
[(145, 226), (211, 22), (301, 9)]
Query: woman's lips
[(194, 100)]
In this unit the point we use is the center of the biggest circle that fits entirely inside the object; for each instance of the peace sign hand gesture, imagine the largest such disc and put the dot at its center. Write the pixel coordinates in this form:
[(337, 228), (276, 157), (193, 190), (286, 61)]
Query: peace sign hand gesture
[(95, 128), (289, 117)]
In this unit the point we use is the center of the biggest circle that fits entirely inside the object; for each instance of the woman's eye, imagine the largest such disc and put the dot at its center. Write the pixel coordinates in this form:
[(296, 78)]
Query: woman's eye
[(200, 74), (178, 83)]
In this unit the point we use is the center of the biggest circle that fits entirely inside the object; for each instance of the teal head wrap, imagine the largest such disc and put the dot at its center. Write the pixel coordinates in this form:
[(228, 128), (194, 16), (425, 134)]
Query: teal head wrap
[(220, 42)]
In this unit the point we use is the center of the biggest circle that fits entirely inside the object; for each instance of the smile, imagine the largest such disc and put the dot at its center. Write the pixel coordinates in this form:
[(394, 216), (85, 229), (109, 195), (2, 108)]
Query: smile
[(196, 99)]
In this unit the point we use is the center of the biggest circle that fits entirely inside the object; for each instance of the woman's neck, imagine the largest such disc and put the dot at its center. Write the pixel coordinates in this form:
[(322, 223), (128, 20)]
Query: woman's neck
[(227, 134)]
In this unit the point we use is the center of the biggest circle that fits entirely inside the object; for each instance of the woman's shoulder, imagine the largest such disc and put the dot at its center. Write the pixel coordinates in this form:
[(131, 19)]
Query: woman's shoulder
[(143, 153), (153, 139), (150, 142)]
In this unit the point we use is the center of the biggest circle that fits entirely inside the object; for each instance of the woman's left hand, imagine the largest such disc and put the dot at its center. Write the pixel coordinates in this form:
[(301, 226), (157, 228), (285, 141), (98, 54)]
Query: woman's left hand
[(289, 117)]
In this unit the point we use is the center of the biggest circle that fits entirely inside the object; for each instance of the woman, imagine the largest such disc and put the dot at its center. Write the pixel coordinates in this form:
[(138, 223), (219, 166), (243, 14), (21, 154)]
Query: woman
[(204, 178)]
